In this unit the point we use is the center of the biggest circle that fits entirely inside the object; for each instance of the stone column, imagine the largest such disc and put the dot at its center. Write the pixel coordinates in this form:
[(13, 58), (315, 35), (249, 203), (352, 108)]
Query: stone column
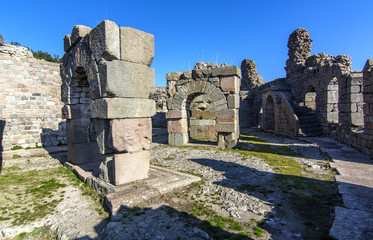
[(123, 112), (114, 63)]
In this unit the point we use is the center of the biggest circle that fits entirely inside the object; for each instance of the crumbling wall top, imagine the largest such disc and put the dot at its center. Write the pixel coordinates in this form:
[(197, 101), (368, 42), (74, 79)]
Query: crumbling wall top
[(299, 44), (250, 77)]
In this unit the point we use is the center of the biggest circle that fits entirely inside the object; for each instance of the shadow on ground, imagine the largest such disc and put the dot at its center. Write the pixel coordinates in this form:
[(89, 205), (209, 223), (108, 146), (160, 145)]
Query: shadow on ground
[(309, 202), (162, 222)]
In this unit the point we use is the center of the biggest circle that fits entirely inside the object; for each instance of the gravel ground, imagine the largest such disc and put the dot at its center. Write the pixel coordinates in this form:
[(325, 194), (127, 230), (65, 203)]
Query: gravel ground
[(235, 186)]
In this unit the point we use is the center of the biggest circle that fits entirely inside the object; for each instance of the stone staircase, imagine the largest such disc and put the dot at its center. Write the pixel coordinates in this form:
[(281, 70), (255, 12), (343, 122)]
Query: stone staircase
[(309, 124)]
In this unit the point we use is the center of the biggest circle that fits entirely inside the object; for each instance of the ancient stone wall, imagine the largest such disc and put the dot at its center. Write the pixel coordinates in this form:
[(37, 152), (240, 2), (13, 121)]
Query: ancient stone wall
[(30, 105), (107, 85), (324, 97), (204, 103)]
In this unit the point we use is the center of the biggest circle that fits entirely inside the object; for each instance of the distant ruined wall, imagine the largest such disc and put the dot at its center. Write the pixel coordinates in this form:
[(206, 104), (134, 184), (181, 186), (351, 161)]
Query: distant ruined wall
[(321, 88), (30, 105)]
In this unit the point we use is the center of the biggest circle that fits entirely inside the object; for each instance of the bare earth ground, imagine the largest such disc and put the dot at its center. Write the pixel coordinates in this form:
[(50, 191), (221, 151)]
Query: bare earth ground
[(270, 188)]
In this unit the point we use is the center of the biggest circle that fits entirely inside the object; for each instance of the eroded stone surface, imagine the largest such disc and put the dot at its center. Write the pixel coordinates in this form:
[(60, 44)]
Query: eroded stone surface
[(130, 135)]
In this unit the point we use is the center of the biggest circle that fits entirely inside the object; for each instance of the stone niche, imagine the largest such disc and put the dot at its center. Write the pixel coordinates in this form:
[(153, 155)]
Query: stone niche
[(204, 104), (106, 85)]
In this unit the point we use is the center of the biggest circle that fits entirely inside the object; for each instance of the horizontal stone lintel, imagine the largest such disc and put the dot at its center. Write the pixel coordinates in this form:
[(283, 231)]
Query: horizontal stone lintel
[(113, 108)]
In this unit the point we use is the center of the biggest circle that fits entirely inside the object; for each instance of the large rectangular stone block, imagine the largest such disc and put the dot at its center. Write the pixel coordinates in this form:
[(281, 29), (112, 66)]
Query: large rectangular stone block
[(78, 32), (104, 41), (226, 71), (77, 130), (176, 114), (230, 84), (227, 113), (129, 167), (201, 122), (126, 79), (67, 43), (177, 126), (130, 135), (77, 111), (80, 153), (178, 139), (233, 101), (111, 108), (226, 126), (102, 128), (136, 46), (356, 97)]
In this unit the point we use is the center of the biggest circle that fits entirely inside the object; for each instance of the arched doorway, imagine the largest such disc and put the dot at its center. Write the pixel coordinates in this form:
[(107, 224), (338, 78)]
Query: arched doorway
[(202, 118)]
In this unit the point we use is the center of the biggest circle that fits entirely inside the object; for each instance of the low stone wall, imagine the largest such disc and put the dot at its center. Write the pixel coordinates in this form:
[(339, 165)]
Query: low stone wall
[(30, 105)]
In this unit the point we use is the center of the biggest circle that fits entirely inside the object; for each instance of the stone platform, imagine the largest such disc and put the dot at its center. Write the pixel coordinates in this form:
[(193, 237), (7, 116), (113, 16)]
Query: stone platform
[(354, 220), (160, 181)]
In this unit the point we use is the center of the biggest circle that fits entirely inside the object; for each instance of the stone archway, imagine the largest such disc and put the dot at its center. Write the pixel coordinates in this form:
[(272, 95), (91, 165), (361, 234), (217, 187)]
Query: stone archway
[(213, 88)]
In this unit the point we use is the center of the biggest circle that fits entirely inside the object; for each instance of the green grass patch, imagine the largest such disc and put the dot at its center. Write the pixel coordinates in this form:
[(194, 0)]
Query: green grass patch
[(37, 194), (16, 147)]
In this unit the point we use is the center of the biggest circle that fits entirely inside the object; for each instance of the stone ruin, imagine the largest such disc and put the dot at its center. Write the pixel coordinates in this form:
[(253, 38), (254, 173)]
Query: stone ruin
[(320, 95), (203, 104), (106, 85)]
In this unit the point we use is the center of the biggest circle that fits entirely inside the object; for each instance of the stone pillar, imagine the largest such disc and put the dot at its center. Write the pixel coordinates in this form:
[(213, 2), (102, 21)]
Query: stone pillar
[(120, 83), (123, 111)]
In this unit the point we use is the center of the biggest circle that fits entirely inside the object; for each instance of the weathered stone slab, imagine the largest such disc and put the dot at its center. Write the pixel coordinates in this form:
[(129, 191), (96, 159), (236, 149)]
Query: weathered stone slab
[(79, 32), (136, 46), (226, 127), (129, 167), (67, 43), (176, 114), (77, 130), (178, 139), (233, 101), (102, 128), (78, 111), (177, 126), (130, 135), (80, 153), (226, 113), (230, 84), (173, 76), (226, 71), (126, 79), (111, 108), (352, 224), (104, 41), (202, 122)]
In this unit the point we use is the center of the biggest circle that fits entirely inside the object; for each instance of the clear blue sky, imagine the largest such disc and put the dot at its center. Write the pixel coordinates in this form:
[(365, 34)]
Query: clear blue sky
[(213, 31)]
